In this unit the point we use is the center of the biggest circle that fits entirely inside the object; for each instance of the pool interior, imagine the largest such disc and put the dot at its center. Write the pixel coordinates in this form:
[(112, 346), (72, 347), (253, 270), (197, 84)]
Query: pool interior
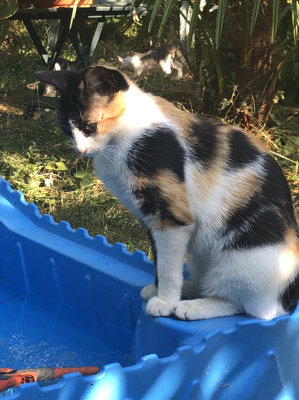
[(66, 299), (35, 333)]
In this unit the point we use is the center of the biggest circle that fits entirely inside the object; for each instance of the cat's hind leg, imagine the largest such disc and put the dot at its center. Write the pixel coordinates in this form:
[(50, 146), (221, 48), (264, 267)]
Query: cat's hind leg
[(149, 291), (176, 65), (204, 308)]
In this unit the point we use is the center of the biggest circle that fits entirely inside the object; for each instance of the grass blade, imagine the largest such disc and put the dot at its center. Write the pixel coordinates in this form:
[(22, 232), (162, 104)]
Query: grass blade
[(73, 13), (194, 18), (245, 33), (295, 19), (275, 15), (215, 59), (154, 14), (219, 21), (284, 12), (167, 12), (255, 12)]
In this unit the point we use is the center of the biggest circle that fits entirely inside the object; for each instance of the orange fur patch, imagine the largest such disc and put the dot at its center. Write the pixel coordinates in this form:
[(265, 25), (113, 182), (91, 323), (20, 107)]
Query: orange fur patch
[(229, 199), (241, 191), (106, 113), (173, 192), (206, 181), (293, 241), (289, 258)]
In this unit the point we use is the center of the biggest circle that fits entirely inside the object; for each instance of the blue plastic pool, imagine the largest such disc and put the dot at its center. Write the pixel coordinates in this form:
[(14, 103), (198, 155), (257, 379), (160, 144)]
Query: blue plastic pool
[(67, 299)]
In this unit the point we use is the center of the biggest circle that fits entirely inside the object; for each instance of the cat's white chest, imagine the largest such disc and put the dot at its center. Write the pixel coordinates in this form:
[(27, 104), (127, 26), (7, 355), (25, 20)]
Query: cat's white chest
[(116, 178)]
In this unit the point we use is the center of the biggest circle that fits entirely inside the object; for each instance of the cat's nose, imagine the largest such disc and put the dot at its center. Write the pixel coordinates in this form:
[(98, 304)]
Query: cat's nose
[(81, 150)]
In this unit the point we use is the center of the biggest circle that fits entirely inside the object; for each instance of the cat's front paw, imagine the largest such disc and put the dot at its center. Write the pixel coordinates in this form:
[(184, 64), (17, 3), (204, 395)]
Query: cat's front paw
[(186, 310), (149, 291), (157, 307)]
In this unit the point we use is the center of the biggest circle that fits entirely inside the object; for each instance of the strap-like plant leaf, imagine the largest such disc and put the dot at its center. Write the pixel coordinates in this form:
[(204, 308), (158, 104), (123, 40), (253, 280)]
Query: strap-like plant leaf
[(194, 18), (284, 12), (73, 13), (219, 21), (167, 12), (275, 15), (8, 8), (295, 19), (154, 14), (213, 54), (255, 11)]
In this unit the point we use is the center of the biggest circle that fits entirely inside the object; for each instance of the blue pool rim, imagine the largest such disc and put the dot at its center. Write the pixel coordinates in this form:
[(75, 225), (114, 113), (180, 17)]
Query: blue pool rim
[(274, 345)]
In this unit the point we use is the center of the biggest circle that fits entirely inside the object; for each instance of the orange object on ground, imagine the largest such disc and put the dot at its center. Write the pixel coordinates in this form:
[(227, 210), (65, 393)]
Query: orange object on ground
[(15, 377)]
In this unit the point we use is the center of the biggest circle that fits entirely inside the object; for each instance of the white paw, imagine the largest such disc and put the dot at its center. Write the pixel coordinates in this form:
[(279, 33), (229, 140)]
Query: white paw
[(186, 310), (149, 291), (159, 308), (203, 309)]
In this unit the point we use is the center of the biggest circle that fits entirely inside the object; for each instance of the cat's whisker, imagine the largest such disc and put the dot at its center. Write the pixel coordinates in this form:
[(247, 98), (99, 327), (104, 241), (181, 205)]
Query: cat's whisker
[(51, 105)]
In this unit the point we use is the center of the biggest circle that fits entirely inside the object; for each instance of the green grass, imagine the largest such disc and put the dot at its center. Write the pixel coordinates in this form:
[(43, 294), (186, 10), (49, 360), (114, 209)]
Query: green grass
[(42, 164), (37, 158)]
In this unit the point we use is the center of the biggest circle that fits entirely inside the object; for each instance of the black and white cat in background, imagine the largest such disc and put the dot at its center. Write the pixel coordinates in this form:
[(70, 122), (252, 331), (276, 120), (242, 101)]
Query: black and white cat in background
[(167, 58), (199, 187), (61, 64)]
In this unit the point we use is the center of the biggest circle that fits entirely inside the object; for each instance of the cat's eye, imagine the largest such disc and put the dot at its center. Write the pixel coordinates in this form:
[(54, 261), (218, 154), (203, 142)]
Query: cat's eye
[(90, 128)]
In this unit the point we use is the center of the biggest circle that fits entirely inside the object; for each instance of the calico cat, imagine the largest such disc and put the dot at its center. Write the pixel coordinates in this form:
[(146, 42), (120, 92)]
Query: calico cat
[(198, 186), (166, 57)]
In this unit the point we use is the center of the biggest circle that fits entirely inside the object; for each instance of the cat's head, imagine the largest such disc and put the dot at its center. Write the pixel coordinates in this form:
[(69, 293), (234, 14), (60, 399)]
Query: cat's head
[(91, 102)]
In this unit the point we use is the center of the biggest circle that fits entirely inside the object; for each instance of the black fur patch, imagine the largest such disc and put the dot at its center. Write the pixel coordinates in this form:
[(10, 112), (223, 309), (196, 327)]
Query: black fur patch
[(157, 54), (259, 229), (290, 295), (152, 203), (204, 142), (242, 151), (155, 255), (70, 106), (266, 217), (157, 150), (62, 80), (104, 81), (275, 189)]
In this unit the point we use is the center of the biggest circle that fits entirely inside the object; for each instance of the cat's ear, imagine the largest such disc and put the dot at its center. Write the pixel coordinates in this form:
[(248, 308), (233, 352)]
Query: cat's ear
[(59, 79), (104, 81)]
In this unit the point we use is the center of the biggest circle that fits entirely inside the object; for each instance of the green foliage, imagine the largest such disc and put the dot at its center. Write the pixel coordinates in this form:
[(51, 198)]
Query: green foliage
[(193, 21), (167, 12), (295, 19), (217, 31), (255, 12), (38, 159), (8, 8), (219, 21), (154, 14), (221, 9)]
